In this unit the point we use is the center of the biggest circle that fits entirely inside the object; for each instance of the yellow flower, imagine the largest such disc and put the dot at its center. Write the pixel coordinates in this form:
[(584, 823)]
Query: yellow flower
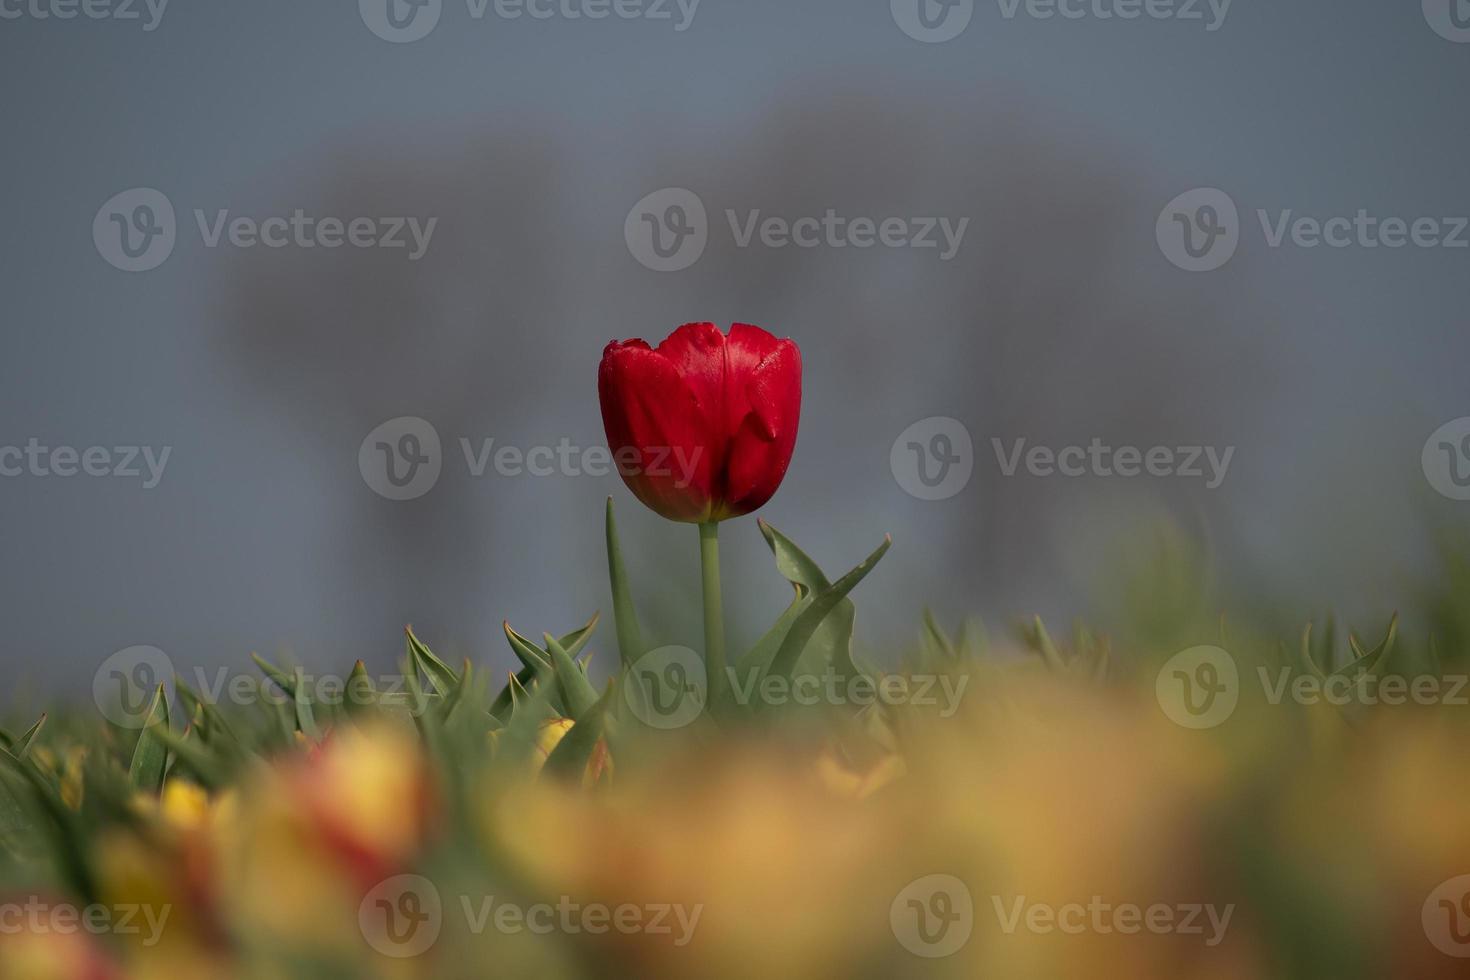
[(550, 736)]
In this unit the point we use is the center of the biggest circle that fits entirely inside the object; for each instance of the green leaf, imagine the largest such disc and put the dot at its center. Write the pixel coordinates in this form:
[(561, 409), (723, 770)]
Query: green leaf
[(1329, 643), (1372, 661), (305, 717), (517, 740), (528, 653), (286, 682), (413, 689), (456, 697), (440, 674), (505, 702), (283, 715), (150, 755), (803, 630), (25, 780), (538, 662), (22, 745), (215, 725), (1304, 654), (40, 786), (793, 563), (577, 692), (360, 699), (209, 768), (832, 642), (936, 635), (13, 811), (577, 639), (758, 658), (625, 617), (13, 815), (1045, 646)]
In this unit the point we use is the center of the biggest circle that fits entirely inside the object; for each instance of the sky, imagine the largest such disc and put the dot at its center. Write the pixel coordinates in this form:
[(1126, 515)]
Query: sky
[(1060, 318)]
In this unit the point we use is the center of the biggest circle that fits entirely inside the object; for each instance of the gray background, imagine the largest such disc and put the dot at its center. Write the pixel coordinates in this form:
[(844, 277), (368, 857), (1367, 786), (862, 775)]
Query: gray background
[(1060, 319)]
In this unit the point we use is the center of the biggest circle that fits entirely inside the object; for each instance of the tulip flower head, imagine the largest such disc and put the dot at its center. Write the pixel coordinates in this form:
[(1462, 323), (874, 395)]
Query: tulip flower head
[(702, 426)]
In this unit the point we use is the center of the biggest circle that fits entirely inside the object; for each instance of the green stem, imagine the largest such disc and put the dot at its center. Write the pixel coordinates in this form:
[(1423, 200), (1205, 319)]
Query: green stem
[(714, 615)]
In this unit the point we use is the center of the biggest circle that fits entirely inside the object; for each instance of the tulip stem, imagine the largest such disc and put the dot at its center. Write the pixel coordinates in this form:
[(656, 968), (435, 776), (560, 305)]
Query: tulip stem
[(714, 615)]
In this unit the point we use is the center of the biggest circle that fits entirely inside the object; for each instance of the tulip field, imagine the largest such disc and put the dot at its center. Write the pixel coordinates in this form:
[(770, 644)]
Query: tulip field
[(1198, 785)]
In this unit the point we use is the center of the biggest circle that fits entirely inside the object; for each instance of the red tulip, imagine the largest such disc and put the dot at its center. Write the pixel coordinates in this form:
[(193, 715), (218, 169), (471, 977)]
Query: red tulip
[(702, 427)]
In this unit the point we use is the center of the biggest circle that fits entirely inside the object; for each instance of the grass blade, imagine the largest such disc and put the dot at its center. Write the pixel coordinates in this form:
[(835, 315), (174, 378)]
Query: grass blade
[(150, 755), (625, 617)]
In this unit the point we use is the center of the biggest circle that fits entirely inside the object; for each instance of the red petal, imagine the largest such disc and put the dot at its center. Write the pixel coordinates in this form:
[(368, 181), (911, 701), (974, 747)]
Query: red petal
[(764, 438), (647, 406), (730, 405)]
